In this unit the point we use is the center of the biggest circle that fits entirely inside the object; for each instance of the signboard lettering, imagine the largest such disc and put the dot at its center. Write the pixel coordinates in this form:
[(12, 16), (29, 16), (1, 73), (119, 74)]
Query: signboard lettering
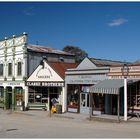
[(48, 84)]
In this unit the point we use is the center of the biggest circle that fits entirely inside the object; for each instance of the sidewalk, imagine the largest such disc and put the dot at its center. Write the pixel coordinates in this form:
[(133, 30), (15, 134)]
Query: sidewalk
[(72, 116), (67, 115)]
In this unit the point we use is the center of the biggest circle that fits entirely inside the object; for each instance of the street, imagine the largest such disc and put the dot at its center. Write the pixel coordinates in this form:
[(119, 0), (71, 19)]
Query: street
[(38, 124)]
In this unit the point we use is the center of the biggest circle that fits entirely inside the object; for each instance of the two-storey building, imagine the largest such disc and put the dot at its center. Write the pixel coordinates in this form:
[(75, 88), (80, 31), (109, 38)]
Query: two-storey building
[(18, 60)]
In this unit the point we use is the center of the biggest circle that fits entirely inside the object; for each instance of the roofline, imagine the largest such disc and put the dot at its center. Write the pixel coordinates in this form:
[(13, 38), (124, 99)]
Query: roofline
[(14, 36), (68, 54), (110, 60)]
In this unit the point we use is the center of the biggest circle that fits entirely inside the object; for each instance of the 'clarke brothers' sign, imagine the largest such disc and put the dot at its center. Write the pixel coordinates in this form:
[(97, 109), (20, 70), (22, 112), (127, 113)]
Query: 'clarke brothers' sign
[(47, 84)]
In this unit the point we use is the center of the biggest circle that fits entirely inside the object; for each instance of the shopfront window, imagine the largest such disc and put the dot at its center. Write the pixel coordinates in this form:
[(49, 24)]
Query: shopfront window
[(98, 102), (134, 95), (19, 95), (73, 96), (38, 95), (1, 96)]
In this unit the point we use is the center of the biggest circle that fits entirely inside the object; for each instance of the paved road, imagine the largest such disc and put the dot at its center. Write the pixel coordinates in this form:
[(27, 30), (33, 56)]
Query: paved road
[(37, 124)]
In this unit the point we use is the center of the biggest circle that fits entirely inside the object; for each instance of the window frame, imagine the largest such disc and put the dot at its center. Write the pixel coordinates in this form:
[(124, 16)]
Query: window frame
[(19, 69), (1, 72), (10, 69)]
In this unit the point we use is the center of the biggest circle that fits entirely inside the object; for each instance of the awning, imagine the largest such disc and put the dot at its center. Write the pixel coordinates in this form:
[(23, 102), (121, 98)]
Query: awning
[(110, 86)]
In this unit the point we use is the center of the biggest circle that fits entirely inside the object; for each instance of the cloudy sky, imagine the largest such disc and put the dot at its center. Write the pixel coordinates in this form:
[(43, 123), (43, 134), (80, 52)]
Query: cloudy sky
[(106, 30)]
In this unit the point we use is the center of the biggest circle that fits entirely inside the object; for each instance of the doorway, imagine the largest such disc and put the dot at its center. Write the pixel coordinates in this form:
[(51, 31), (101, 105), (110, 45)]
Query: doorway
[(9, 98), (53, 99), (114, 104), (84, 103)]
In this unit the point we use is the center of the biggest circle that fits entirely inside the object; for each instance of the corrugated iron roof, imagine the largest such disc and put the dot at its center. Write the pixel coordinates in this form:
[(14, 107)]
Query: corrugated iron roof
[(104, 62), (61, 67), (44, 49)]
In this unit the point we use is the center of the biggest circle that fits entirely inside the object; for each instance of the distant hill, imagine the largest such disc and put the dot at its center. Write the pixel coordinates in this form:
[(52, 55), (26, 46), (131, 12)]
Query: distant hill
[(137, 61)]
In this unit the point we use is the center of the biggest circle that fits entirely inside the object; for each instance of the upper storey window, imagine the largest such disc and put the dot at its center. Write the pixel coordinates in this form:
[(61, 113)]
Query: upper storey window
[(19, 68), (9, 69)]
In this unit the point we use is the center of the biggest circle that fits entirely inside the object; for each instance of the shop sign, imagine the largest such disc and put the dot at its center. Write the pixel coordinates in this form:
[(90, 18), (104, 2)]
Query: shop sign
[(47, 84), (53, 84), (85, 79), (44, 73), (13, 84), (33, 83)]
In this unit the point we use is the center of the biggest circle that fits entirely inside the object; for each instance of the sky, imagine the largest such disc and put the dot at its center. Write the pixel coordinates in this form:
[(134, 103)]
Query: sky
[(105, 30)]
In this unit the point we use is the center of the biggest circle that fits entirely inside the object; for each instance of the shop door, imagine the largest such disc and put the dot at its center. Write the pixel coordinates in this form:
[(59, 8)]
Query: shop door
[(84, 103), (9, 98)]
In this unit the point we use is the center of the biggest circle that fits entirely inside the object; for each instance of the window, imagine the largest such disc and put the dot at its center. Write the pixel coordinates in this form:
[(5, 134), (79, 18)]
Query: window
[(73, 96), (18, 95), (10, 69), (1, 69), (19, 69), (38, 95), (1, 92), (1, 97)]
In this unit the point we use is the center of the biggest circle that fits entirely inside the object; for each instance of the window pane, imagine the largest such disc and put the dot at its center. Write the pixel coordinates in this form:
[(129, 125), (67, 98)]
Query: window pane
[(19, 69), (1, 69), (10, 69)]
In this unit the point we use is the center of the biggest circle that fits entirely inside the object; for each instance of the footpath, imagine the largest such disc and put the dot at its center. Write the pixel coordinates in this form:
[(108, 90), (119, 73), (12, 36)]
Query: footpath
[(72, 116)]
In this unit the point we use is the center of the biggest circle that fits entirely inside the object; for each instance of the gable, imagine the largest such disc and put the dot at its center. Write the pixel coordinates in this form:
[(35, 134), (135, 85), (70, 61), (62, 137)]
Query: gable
[(46, 74), (86, 64)]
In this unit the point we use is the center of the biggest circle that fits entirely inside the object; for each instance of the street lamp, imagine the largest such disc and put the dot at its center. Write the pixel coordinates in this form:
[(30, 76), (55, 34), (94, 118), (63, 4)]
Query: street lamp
[(125, 71)]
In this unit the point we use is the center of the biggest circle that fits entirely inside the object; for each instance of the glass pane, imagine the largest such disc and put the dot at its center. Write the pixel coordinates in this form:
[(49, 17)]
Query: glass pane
[(1, 69), (19, 69), (83, 103), (87, 100), (10, 69)]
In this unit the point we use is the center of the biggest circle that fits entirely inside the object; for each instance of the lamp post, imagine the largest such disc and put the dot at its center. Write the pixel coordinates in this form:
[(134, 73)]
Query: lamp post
[(125, 71)]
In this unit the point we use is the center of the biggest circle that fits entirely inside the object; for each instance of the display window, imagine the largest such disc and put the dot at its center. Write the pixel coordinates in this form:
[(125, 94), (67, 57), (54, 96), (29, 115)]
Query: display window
[(73, 96), (1, 96), (18, 95), (134, 95), (98, 102), (38, 95)]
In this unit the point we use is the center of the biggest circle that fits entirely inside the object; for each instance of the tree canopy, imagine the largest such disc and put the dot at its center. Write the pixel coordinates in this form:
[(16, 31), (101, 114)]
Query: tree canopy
[(79, 53)]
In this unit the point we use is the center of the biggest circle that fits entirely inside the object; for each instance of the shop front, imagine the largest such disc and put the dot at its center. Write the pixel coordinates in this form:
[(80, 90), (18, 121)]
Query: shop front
[(80, 83), (12, 95), (133, 85), (41, 94), (46, 85)]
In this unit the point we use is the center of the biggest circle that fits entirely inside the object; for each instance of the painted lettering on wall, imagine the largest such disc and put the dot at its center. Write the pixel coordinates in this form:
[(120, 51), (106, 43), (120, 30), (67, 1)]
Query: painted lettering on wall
[(44, 73), (47, 84), (13, 84)]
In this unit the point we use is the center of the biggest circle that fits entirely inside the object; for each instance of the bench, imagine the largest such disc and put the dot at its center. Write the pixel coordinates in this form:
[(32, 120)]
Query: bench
[(37, 107)]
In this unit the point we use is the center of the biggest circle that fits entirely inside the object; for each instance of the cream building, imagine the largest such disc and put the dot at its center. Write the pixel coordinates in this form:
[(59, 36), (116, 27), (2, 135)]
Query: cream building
[(18, 60)]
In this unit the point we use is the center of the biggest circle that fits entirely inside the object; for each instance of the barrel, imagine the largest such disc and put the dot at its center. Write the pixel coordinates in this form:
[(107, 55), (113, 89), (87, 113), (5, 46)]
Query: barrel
[(59, 109)]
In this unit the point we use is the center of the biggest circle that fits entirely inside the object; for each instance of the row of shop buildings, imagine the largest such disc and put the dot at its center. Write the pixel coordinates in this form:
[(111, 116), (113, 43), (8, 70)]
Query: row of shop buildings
[(36, 74)]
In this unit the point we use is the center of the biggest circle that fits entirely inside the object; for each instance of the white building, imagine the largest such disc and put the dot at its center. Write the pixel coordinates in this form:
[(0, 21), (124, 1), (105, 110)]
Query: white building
[(18, 60)]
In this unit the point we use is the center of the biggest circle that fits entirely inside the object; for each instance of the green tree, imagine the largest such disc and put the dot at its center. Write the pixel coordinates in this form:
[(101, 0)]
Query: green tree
[(79, 53)]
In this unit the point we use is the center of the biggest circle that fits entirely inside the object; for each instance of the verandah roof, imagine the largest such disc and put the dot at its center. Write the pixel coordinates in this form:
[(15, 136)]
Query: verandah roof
[(110, 86)]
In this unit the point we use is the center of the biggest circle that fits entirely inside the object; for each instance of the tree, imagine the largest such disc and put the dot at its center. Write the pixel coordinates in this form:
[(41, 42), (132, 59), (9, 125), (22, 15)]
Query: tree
[(79, 53)]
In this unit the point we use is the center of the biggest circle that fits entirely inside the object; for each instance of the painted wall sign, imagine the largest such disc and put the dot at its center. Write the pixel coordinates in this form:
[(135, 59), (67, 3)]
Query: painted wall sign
[(44, 73), (47, 84), (13, 84), (84, 79)]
